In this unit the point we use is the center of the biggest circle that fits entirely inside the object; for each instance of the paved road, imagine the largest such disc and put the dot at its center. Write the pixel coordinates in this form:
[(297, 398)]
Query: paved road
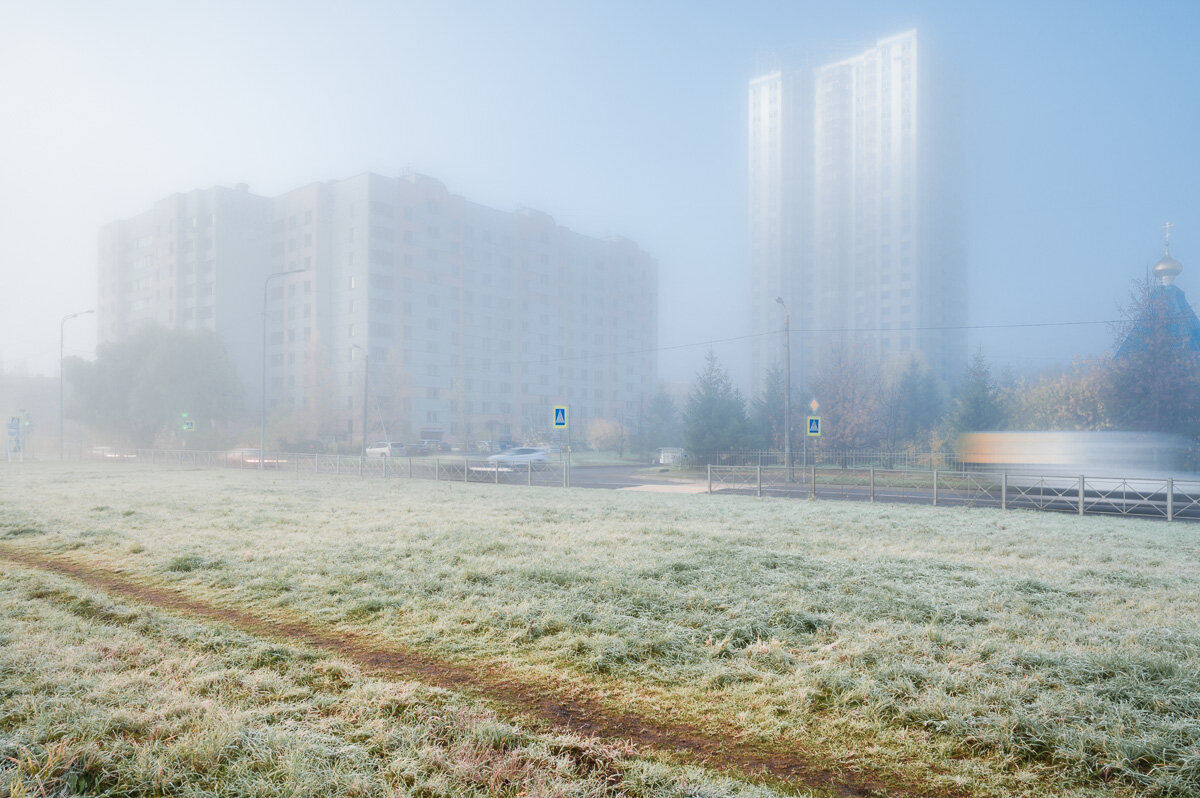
[(618, 477)]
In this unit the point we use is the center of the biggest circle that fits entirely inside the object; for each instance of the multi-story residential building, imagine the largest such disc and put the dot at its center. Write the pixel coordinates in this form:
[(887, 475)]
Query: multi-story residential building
[(465, 322), (190, 263), (853, 216)]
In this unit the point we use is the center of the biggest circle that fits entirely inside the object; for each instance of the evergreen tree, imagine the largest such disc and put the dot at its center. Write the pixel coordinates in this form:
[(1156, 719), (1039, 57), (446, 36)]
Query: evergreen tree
[(660, 423), (767, 416), (918, 402), (979, 405), (715, 417)]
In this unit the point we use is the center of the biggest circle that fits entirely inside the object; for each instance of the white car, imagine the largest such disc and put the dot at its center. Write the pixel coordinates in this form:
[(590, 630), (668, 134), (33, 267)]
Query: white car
[(385, 449), (525, 454)]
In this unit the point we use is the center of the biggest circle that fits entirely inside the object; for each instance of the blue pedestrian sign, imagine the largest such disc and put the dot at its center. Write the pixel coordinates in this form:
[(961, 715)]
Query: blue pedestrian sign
[(814, 426), (560, 417)]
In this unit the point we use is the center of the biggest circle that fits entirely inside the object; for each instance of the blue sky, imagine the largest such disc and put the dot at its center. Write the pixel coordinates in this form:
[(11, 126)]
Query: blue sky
[(1079, 124)]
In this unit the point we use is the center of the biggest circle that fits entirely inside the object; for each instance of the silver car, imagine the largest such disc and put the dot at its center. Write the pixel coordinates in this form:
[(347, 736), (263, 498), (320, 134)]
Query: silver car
[(385, 449), (520, 456)]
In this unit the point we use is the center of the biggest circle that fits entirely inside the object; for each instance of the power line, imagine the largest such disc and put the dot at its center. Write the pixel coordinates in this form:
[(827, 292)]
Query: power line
[(835, 330)]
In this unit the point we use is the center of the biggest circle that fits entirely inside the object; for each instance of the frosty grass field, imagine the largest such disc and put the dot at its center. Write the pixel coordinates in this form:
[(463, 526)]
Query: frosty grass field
[(922, 651)]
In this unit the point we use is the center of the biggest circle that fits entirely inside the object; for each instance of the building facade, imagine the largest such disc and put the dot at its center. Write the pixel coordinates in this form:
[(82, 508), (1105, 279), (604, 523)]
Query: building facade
[(853, 214), (189, 263), (453, 320)]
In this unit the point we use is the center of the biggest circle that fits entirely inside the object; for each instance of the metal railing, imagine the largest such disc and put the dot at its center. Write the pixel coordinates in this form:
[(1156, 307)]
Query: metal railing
[(452, 469), (1151, 497), (898, 460)]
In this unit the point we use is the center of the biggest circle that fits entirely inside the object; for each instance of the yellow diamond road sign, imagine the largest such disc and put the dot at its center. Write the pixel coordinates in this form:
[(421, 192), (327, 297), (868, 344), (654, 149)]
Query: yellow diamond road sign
[(815, 405)]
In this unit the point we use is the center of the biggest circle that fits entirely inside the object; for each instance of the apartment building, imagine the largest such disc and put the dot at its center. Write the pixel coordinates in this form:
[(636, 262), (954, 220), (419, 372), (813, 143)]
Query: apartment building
[(451, 319), (854, 216), (190, 263)]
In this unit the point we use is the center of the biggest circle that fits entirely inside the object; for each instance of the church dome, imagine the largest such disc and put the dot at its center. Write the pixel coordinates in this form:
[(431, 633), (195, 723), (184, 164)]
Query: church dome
[(1167, 269)]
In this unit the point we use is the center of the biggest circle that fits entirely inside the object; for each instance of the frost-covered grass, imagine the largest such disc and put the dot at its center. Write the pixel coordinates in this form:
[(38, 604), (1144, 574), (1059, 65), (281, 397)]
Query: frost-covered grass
[(105, 699), (1005, 652)]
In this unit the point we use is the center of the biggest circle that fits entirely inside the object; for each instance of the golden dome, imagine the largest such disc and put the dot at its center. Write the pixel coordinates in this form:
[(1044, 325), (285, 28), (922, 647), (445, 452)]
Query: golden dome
[(1167, 269)]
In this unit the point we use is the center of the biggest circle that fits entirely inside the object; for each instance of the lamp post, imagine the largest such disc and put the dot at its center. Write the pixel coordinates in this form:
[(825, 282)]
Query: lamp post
[(262, 418), (61, 330), (787, 386), (366, 382)]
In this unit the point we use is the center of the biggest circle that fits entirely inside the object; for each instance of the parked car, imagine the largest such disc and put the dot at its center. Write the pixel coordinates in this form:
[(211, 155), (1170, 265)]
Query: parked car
[(414, 449), (436, 446), (525, 454), (386, 449)]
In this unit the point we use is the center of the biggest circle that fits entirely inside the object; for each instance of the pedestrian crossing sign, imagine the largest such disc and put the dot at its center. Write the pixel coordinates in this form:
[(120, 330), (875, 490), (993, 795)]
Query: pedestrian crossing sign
[(560, 417), (814, 426)]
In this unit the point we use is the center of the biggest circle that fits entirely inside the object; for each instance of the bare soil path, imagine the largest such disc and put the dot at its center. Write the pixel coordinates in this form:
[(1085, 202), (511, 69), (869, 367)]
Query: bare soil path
[(557, 705)]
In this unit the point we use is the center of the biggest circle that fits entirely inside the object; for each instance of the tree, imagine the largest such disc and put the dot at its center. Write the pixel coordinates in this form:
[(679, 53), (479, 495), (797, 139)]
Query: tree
[(979, 405), (913, 403), (1071, 399), (851, 400), (767, 414), (659, 423), (151, 383), (607, 435), (1154, 379), (715, 417)]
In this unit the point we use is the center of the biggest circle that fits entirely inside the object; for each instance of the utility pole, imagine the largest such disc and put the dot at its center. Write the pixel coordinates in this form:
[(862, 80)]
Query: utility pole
[(61, 329), (787, 386), (262, 418)]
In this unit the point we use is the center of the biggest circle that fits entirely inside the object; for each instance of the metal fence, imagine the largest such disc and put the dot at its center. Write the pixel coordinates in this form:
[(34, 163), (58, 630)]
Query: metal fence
[(837, 458), (451, 469), (1154, 497)]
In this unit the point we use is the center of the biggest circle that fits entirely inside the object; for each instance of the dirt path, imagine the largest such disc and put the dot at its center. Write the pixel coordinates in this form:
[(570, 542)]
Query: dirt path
[(562, 708)]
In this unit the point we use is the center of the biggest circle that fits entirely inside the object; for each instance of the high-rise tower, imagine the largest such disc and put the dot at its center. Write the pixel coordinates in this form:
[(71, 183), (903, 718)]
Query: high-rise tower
[(853, 219)]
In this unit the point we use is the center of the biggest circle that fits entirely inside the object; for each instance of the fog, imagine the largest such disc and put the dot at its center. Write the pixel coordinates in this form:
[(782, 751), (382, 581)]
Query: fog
[(1078, 128)]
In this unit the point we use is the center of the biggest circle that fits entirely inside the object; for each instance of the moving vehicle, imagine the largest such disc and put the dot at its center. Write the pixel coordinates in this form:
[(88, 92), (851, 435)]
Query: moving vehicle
[(248, 457), (1094, 453), (520, 456), (386, 449)]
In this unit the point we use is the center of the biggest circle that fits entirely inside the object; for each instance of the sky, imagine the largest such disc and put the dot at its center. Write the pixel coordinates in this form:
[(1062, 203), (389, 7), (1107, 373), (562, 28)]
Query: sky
[(1079, 125)]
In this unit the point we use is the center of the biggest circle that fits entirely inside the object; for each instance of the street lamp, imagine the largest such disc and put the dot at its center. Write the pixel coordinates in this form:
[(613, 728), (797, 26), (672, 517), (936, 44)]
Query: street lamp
[(61, 329), (787, 386), (366, 382), (262, 419)]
